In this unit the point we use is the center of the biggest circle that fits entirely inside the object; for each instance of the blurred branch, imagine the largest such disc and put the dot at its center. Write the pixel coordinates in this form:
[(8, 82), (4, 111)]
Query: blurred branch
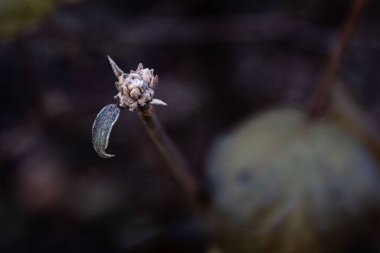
[(325, 86), (231, 29)]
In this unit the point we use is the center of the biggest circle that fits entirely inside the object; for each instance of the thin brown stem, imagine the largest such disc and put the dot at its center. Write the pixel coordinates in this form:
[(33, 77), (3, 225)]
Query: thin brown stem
[(177, 164), (321, 101)]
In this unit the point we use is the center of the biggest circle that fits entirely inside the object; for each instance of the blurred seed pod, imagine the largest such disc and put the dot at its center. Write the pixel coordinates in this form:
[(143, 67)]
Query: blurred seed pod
[(281, 183), (20, 16)]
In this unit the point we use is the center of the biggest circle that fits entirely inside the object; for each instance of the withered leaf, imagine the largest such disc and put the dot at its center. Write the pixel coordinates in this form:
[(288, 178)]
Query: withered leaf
[(102, 127)]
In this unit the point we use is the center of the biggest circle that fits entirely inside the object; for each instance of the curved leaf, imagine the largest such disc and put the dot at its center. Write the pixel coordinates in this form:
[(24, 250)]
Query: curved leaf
[(102, 127)]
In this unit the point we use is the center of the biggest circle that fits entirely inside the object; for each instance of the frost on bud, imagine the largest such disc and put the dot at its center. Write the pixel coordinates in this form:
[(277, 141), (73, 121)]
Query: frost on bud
[(102, 127), (135, 89)]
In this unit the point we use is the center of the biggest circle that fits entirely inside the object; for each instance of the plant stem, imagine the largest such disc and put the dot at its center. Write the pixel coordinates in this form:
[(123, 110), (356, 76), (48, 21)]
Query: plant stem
[(177, 164), (321, 101)]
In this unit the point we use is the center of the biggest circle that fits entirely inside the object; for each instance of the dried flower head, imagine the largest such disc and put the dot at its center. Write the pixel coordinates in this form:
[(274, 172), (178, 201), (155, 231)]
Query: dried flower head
[(135, 90)]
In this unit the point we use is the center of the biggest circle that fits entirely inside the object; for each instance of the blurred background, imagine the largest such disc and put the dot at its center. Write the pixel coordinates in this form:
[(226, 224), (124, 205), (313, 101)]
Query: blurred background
[(219, 62)]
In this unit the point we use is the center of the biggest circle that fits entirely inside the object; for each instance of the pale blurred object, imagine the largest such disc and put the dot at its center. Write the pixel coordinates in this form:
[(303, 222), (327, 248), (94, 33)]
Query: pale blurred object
[(283, 183)]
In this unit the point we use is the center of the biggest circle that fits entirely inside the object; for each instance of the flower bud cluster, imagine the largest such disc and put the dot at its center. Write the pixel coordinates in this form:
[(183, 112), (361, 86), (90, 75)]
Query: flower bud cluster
[(135, 89)]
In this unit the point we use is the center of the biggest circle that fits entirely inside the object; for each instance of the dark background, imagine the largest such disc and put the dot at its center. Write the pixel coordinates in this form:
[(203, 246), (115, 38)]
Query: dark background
[(218, 62)]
